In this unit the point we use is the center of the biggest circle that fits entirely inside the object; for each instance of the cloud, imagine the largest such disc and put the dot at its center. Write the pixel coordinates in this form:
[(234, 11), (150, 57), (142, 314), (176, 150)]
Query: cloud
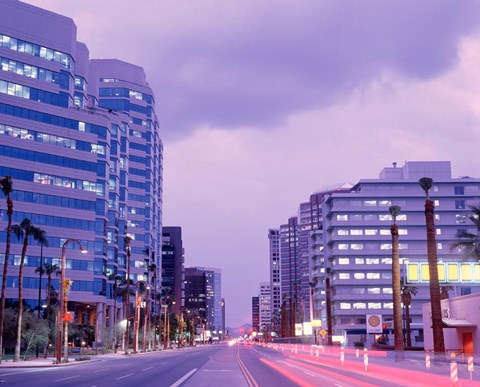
[(248, 63)]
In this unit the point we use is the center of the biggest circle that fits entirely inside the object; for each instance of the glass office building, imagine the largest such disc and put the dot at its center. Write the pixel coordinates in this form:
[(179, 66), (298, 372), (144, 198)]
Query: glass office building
[(80, 139)]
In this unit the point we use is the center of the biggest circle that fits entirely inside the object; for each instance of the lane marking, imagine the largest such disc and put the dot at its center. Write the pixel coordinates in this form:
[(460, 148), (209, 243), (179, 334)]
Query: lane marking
[(246, 374), (148, 368), (125, 376), (70, 377), (338, 385), (184, 377), (105, 369), (309, 373)]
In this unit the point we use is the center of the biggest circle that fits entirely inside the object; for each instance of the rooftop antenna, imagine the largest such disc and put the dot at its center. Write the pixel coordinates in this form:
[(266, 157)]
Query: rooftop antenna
[(394, 164)]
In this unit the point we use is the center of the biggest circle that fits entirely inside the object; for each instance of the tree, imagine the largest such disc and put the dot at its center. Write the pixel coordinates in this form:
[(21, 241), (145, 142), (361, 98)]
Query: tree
[(407, 292), (469, 243), (41, 271), (52, 295), (128, 251), (118, 280), (436, 307), (397, 297), (7, 189), (25, 231), (35, 331), (140, 291)]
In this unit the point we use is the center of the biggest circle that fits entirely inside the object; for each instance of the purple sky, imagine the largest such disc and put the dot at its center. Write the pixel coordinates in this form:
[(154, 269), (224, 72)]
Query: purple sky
[(263, 102)]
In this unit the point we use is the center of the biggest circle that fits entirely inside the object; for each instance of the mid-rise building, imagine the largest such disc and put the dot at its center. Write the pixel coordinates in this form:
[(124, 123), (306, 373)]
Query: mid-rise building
[(256, 313), (358, 248), (80, 139), (173, 270), (264, 307)]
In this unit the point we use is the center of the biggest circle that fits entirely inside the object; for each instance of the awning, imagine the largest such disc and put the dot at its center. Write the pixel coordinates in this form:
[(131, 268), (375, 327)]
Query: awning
[(457, 323)]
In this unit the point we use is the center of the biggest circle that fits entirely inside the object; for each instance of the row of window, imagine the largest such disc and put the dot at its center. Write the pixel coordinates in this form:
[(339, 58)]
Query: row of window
[(369, 217), (125, 93), (362, 276), (36, 50), (363, 261), (363, 305), (370, 232), (33, 135), (45, 158), (35, 261), (51, 200), (62, 78), (358, 290), (447, 272), (125, 106), (52, 119), (372, 246), (49, 220), (66, 182), (31, 93), (54, 242)]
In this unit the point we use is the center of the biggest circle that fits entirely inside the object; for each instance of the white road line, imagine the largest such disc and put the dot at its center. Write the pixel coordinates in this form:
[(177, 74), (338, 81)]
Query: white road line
[(100, 370), (124, 376), (338, 385), (70, 377), (148, 368), (309, 373), (184, 377)]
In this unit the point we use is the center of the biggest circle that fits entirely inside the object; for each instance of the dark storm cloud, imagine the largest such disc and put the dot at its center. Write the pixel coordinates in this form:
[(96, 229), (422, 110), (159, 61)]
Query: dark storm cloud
[(269, 61)]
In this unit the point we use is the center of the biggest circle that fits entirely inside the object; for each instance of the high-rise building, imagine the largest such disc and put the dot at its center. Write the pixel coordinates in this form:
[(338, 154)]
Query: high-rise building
[(208, 297), (80, 139), (265, 307), (256, 313), (173, 271), (196, 294), (275, 296), (358, 248)]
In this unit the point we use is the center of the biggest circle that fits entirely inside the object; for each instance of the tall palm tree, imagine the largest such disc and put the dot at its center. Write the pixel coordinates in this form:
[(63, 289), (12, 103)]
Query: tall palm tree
[(50, 269), (128, 251), (407, 292), (140, 291), (118, 280), (397, 297), (25, 230), (468, 242), (437, 323), (7, 189), (152, 269), (41, 271)]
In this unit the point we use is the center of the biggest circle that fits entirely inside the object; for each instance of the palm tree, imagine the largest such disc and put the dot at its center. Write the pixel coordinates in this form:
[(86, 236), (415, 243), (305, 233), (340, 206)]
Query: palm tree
[(24, 231), (41, 271), (437, 323), (397, 297), (118, 280), (50, 269), (140, 291), (469, 243), (127, 241), (7, 189), (152, 269), (407, 292)]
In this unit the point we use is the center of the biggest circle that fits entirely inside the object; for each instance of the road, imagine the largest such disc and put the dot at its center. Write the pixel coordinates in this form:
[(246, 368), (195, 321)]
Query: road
[(218, 365)]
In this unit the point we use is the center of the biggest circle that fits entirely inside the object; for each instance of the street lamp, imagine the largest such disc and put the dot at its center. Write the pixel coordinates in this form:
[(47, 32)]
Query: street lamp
[(62, 307)]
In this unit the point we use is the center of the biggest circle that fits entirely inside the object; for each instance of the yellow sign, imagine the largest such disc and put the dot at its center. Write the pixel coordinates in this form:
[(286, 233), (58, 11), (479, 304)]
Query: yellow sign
[(323, 332), (316, 323)]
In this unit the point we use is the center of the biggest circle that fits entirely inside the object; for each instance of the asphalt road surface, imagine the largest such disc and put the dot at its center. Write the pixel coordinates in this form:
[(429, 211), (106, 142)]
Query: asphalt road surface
[(213, 365)]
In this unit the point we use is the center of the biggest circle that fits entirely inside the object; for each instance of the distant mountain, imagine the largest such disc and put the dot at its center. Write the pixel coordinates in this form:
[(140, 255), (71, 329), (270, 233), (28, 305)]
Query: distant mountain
[(245, 328)]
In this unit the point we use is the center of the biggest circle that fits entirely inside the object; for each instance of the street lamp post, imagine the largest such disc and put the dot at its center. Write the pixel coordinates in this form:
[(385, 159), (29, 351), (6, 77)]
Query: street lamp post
[(62, 308), (97, 331), (127, 291)]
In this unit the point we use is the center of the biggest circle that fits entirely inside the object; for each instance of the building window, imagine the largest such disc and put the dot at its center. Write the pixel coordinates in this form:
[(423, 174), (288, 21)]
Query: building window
[(460, 219), (459, 190), (343, 261), (387, 291), (356, 246), (460, 204), (371, 232), (402, 231), (436, 203), (359, 275), (384, 203), (385, 217), (373, 275), (359, 305), (373, 261), (374, 305), (359, 261), (388, 305), (345, 305), (342, 232), (373, 290), (342, 217), (343, 276), (343, 246), (385, 246), (369, 203)]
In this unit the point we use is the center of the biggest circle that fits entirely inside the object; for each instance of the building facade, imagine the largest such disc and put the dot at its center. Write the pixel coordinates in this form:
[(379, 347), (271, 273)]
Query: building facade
[(358, 249), (173, 270), (80, 139), (275, 291), (256, 314), (264, 307)]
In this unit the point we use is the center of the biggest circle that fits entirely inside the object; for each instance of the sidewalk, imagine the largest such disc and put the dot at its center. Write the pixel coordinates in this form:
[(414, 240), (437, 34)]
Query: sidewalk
[(49, 362)]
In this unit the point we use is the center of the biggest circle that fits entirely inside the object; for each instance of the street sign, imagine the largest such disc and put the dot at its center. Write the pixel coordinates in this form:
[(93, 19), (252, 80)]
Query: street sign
[(316, 323), (323, 332), (374, 323)]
